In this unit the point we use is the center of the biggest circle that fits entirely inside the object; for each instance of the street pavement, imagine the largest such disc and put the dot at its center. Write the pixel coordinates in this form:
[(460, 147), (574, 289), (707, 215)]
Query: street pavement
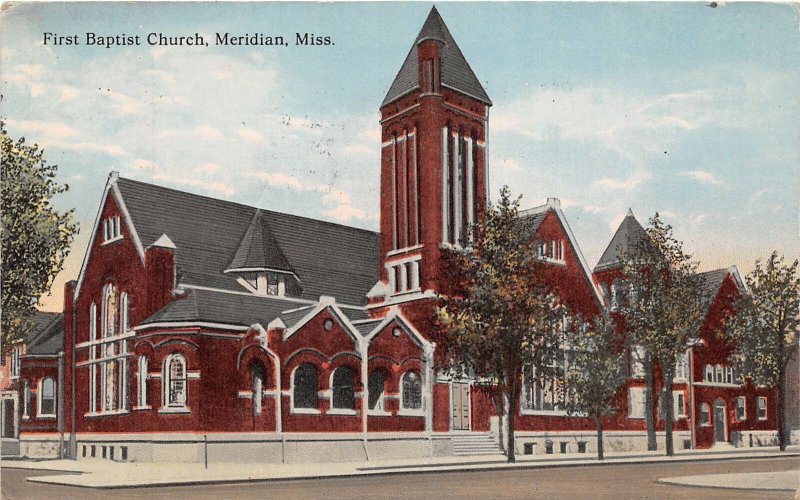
[(607, 481)]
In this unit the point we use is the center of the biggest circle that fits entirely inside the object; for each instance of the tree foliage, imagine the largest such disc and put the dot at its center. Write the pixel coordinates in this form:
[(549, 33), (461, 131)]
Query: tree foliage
[(765, 328), (597, 371), (36, 237), (663, 309), (500, 316)]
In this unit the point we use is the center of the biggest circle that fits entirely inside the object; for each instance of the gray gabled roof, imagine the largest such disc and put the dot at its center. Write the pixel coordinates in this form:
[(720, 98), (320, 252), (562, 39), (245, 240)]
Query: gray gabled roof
[(328, 259), (47, 336), (710, 283), (531, 219), (455, 70), (624, 244)]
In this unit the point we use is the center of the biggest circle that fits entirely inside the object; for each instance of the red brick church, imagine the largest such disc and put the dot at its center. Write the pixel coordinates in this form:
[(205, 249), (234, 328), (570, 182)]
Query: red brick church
[(202, 329)]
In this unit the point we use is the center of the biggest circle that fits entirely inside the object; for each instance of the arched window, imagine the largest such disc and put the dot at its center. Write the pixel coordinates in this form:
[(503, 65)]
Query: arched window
[(705, 415), (109, 310), (257, 376), (175, 381), (616, 294), (92, 357), (47, 398), (376, 384), (109, 368), (141, 382), (343, 388), (412, 391), (304, 391), (124, 313)]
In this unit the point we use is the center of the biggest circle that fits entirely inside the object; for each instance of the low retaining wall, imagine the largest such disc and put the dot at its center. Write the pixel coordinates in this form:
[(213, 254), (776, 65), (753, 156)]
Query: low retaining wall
[(556, 442), (260, 448)]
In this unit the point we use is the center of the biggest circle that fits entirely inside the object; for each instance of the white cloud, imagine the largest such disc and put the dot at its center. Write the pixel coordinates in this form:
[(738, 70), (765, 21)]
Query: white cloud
[(123, 103), (280, 180), (625, 184), (345, 212), (212, 186), (142, 164), (38, 89), (250, 135), (50, 130), (68, 93), (91, 147), (593, 209), (209, 168), (701, 176)]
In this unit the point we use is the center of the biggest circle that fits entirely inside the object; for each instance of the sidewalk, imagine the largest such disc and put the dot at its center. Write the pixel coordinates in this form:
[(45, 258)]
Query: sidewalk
[(103, 474), (770, 481)]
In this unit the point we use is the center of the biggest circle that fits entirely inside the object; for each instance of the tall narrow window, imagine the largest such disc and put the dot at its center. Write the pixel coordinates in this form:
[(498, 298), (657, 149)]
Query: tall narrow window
[(109, 367), (26, 399), (741, 409), (761, 408), (709, 373), (257, 376), (343, 390), (705, 415), (141, 382), (412, 391), (175, 381), (47, 398), (304, 391), (376, 385), (92, 357), (124, 313)]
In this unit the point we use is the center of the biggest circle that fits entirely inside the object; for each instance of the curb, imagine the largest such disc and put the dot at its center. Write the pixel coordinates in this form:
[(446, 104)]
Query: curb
[(409, 469)]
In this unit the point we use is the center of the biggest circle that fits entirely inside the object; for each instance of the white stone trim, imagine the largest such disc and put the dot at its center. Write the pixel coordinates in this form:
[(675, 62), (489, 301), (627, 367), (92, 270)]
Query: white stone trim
[(190, 324)]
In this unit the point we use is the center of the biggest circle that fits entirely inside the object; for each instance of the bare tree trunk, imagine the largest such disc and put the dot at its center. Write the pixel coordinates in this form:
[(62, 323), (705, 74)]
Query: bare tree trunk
[(512, 410), (598, 420), (500, 409), (648, 402), (781, 414), (668, 417)]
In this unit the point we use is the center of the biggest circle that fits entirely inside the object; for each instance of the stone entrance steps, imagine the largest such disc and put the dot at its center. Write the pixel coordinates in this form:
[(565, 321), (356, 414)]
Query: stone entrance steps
[(476, 443)]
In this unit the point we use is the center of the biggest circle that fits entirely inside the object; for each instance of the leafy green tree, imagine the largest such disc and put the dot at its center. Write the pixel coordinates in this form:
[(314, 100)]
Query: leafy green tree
[(36, 237), (500, 317), (597, 371), (765, 329), (663, 311)]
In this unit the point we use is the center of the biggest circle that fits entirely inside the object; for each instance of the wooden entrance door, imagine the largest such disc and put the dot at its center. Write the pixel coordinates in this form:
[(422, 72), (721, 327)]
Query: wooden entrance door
[(719, 422), (461, 406)]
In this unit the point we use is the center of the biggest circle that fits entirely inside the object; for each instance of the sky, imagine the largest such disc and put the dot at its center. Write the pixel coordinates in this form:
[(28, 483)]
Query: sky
[(679, 108)]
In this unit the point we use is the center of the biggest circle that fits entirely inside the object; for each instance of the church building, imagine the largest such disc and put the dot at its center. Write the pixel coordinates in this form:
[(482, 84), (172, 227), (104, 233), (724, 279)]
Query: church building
[(206, 330)]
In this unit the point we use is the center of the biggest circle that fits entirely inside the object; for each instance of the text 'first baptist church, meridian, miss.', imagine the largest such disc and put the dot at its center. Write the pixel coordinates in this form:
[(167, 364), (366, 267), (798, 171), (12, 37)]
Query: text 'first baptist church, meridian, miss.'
[(91, 39)]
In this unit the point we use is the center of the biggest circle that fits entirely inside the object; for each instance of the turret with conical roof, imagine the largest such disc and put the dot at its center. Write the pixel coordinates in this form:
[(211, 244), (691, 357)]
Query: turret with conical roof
[(433, 159), (624, 244)]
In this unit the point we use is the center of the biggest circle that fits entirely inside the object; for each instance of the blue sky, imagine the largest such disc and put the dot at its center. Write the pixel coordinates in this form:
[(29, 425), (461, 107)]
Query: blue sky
[(675, 107)]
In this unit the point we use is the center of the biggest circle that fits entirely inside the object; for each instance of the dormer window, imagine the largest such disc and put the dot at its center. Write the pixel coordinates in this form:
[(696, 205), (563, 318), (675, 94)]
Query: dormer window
[(264, 283), (551, 251), (111, 229)]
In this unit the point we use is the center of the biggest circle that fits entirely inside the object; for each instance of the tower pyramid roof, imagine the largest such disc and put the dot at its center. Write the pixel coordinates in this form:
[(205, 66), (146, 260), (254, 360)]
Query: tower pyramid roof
[(456, 73)]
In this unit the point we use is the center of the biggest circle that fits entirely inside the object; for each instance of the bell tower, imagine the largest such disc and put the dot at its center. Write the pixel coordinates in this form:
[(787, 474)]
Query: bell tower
[(434, 123)]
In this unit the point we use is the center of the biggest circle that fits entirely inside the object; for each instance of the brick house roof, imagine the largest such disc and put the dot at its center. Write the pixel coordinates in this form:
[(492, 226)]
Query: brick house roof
[(47, 335)]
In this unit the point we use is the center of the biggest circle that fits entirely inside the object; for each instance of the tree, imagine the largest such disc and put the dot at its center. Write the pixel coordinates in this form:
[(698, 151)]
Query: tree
[(36, 237), (663, 310), (765, 327), (500, 317), (597, 371)]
